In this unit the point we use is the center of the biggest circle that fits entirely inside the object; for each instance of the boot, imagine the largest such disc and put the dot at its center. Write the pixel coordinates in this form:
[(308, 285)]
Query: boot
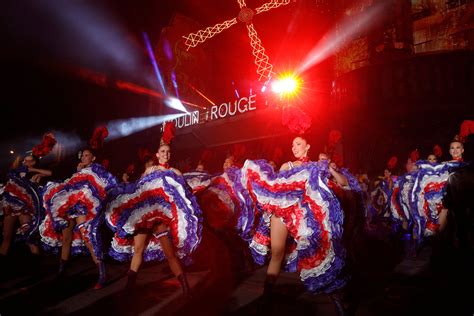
[(35, 264), (63, 264), (101, 281), (265, 307), (184, 285), (131, 279), (337, 299), (268, 287)]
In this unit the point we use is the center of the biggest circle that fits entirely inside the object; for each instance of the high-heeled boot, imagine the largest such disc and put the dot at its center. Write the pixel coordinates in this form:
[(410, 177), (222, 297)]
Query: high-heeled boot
[(268, 287), (131, 279), (184, 285), (101, 281)]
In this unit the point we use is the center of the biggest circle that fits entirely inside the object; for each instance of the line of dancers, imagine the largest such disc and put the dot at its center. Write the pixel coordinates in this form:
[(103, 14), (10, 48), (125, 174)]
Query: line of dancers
[(301, 218)]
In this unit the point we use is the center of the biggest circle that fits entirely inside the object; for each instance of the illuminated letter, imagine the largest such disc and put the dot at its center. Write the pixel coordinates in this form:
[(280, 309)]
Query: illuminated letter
[(195, 117), (214, 112), (235, 108), (252, 101), (226, 110), (180, 122), (186, 121), (238, 105)]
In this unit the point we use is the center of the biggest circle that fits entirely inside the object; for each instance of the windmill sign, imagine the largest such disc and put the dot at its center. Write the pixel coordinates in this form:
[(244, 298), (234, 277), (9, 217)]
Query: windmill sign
[(264, 68)]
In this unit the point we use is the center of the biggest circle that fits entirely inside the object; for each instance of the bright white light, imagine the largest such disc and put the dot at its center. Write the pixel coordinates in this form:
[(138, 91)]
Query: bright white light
[(122, 128), (348, 29), (12, 152), (175, 104), (285, 85)]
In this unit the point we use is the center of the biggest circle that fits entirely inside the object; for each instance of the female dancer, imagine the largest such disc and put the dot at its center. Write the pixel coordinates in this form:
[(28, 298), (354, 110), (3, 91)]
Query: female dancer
[(73, 210), (429, 190), (21, 201), (456, 149), (297, 203), (155, 218), (432, 158)]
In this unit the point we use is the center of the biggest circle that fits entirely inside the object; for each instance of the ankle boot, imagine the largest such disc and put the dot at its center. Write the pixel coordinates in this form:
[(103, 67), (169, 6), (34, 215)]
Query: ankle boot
[(268, 288), (131, 279), (184, 285), (101, 281)]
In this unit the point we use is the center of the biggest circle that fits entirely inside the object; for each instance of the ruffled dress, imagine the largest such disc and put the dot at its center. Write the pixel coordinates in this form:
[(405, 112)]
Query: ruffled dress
[(302, 200), (85, 193), (161, 196)]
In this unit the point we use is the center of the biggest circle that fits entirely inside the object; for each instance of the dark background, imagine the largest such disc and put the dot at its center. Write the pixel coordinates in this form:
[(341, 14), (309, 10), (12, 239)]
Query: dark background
[(61, 64)]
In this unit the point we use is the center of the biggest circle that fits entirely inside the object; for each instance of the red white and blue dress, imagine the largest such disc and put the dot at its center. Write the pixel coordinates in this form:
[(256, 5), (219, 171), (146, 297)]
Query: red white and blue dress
[(379, 207), (197, 181), (400, 200), (83, 194), (429, 188), (227, 205), (160, 196), (22, 196), (301, 198)]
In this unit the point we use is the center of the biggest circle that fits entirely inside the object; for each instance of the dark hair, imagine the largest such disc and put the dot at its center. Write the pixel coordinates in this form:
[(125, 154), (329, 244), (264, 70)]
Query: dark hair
[(36, 159), (92, 151)]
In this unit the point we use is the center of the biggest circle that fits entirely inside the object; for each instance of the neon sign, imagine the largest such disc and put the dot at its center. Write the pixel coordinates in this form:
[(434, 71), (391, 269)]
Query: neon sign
[(216, 112)]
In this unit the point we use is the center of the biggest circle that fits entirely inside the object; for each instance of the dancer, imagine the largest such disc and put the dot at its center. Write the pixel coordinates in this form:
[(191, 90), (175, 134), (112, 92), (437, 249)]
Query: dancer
[(456, 150), (74, 213), (155, 218), (299, 191), (21, 202), (21, 198)]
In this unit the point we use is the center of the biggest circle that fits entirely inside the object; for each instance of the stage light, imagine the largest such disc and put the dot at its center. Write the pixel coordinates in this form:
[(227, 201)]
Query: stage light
[(175, 104), (125, 127), (286, 85), (12, 152)]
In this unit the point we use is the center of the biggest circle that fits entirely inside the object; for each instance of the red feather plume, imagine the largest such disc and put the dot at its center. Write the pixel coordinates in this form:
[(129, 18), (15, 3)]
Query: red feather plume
[(337, 159), (169, 132), (296, 120), (45, 146), (105, 163), (144, 154), (206, 156), (467, 128), (335, 137), (98, 137), (130, 169), (437, 151), (414, 155), (392, 162)]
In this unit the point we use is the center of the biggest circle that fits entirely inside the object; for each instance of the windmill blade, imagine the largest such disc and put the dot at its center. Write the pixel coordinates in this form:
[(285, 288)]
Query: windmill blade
[(241, 3), (271, 5), (194, 39), (264, 68)]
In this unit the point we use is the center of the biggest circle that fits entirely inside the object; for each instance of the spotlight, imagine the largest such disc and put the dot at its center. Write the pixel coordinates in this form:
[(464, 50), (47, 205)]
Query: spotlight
[(287, 85), (12, 152), (175, 104)]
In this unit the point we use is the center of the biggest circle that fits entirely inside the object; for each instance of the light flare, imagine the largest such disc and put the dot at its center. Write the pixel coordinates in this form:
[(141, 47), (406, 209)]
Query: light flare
[(126, 127), (348, 29), (287, 85)]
